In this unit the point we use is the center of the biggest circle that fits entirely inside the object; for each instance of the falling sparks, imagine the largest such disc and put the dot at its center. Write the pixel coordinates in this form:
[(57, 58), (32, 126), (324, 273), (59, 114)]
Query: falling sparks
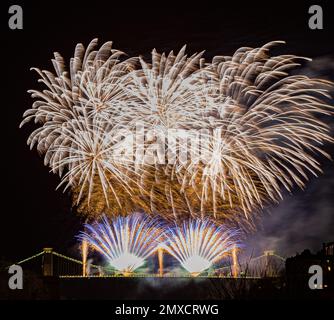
[(262, 128)]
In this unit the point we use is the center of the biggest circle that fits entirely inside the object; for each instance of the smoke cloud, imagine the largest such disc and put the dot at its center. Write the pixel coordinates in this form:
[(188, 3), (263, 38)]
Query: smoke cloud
[(305, 218)]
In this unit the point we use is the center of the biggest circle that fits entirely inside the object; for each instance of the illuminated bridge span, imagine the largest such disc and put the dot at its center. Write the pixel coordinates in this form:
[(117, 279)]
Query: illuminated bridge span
[(51, 263)]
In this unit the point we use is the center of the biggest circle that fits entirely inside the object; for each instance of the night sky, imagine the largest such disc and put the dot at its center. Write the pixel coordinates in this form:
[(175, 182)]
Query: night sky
[(34, 215)]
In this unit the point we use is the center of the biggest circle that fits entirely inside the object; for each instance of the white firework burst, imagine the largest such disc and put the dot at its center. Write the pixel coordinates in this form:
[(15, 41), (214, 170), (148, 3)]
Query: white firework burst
[(263, 127)]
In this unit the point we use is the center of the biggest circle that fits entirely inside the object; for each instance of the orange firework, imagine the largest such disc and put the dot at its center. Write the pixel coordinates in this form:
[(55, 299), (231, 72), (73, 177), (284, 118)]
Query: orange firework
[(221, 138)]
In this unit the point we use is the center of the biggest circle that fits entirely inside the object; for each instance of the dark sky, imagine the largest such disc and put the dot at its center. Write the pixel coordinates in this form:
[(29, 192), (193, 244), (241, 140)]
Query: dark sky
[(33, 214)]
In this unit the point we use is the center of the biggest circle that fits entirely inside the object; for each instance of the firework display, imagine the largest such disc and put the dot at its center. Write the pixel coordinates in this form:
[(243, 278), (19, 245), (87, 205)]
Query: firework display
[(164, 156), (125, 242), (197, 244), (221, 138)]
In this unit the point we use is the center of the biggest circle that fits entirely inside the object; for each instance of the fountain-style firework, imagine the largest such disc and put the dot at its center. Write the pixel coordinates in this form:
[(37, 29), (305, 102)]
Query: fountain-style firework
[(197, 244), (125, 242)]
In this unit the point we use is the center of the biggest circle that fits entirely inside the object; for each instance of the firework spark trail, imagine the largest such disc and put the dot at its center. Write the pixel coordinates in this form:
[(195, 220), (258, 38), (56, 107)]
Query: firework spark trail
[(84, 255), (263, 130), (126, 242), (76, 115), (197, 244)]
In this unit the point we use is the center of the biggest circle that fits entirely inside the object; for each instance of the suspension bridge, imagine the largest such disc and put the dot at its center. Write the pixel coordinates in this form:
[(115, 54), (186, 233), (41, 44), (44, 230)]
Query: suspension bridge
[(50, 263)]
